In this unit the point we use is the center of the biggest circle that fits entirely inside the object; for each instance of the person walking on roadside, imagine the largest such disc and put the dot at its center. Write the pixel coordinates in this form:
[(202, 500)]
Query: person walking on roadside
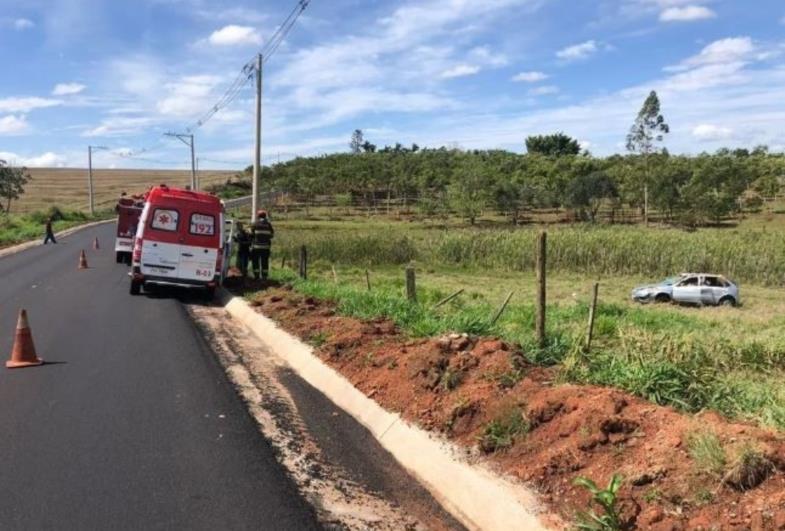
[(261, 235), (50, 235), (243, 240)]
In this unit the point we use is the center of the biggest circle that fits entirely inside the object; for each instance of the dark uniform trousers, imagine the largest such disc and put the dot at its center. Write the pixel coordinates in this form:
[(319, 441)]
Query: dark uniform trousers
[(262, 235)]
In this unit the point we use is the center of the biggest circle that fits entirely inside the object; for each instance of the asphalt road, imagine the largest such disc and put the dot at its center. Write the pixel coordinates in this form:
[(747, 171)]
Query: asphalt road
[(132, 423)]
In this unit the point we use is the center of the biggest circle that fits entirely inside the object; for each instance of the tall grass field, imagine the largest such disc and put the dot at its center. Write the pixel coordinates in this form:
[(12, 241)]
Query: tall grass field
[(745, 255)]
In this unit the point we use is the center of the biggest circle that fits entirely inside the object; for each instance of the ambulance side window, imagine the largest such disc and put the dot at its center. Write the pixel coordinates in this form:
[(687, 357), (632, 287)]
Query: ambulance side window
[(202, 224), (165, 219)]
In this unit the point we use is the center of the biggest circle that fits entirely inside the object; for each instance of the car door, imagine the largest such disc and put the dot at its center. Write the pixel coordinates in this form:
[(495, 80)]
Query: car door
[(710, 290), (200, 248), (160, 245), (687, 290)]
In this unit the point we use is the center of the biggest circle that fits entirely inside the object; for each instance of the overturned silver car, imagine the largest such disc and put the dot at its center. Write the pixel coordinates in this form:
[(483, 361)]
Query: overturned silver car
[(690, 288)]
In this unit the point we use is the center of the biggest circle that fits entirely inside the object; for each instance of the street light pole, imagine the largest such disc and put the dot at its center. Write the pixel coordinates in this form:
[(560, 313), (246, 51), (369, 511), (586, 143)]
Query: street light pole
[(188, 140), (257, 161), (90, 176)]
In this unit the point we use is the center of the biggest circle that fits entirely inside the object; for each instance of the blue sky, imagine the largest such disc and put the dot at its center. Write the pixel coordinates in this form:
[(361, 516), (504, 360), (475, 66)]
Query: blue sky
[(462, 73)]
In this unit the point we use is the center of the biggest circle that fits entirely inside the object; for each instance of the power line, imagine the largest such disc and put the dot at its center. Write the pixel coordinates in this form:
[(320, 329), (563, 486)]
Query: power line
[(244, 76), (283, 30)]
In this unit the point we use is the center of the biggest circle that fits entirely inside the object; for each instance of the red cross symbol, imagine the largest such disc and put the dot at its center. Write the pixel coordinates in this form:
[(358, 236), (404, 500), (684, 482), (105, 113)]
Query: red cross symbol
[(163, 219)]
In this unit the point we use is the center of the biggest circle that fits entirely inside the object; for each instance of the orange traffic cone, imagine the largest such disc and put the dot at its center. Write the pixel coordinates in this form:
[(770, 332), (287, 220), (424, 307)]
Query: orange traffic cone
[(82, 260), (95, 244), (23, 353)]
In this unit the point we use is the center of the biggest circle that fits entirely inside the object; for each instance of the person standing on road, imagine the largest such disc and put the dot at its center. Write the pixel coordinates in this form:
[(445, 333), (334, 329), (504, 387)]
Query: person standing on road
[(50, 235), (262, 235), (243, 240)]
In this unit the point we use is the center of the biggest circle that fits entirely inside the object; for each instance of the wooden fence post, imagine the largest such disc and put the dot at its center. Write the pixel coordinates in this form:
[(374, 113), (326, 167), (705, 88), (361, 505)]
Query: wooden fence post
[(447, 299), (501, 309), (368, 280), (592, 313), (541, 287), (411, 287), (303, 263), (335, 275)]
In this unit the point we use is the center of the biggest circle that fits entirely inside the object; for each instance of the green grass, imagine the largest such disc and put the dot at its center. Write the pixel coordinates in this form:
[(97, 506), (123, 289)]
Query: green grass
[(502, 431), (707, 453), (16, 228)]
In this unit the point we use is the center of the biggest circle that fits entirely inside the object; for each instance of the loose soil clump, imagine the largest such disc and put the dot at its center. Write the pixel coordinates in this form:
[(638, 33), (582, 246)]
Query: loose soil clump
[(484, 395)]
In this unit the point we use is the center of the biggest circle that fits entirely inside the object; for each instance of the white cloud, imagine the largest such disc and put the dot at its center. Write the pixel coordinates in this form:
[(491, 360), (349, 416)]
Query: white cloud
[(686, 14), (120, 126), (578, 51), (484, 55), (723, 51), (13, 125), (188, 95), (530, 77), (26, 104), (709, 132), (45, 160), (232, 35), (460, 71), (544, 90), (64, 89), (23, 23)]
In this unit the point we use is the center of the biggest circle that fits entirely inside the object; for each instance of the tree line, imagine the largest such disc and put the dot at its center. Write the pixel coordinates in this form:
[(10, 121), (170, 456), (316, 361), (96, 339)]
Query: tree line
[(554, 173)]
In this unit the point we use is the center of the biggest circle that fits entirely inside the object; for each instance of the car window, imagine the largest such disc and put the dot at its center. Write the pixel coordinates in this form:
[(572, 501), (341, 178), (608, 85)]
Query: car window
[(165, 219), (713, 282), (202, 224), (689, 281)]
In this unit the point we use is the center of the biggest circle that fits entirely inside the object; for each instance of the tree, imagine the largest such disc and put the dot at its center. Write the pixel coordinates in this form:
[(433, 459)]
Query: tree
[(468, 193), (645, 133), (12, 183), (587, 192), (367, 147), (555, 145), (356, 143)]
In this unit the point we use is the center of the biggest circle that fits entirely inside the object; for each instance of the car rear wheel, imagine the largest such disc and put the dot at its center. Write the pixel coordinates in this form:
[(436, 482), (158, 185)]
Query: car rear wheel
[(728, 301), (662, 298), (209, 293)]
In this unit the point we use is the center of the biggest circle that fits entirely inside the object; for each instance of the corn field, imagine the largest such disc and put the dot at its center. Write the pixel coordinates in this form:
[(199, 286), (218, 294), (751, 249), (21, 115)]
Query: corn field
[(754, 256)]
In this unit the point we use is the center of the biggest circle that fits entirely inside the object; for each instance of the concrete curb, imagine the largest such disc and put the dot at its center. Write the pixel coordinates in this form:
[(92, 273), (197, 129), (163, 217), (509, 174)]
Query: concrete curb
[(475, 496), (35, 243)]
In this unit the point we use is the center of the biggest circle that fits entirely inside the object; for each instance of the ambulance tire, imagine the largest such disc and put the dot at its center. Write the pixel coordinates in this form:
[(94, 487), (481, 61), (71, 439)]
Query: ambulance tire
[(209, 293), (136, 287), (118, 257)]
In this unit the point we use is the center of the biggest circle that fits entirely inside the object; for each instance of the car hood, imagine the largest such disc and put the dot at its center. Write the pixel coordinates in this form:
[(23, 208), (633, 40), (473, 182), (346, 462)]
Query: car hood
[(646, 286)]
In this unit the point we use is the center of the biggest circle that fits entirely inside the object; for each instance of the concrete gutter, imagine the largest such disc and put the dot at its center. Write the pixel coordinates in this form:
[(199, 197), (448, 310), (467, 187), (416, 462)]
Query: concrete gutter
[(475, 496), (35, 243)]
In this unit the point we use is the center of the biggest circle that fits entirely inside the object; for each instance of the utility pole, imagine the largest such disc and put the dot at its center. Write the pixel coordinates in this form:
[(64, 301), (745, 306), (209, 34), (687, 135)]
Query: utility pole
[(188, 140), (257, 161), (90, 150)]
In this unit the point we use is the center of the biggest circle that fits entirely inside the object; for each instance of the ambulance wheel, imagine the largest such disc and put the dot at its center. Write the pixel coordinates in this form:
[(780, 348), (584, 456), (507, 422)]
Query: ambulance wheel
[(127, 258), (136, 287), (118, 257), (209, 293)]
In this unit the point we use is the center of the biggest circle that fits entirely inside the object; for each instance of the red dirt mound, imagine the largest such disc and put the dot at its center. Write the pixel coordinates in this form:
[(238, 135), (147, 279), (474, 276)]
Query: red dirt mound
[(483, 394)]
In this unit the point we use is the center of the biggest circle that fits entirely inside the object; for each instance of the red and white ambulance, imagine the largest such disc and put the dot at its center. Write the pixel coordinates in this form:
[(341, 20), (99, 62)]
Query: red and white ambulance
[(179, 240), (129, 210)]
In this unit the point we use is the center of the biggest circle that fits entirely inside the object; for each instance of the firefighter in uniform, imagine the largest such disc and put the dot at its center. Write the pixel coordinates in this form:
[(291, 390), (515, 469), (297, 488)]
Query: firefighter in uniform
[(261, 235), (243, 240)]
